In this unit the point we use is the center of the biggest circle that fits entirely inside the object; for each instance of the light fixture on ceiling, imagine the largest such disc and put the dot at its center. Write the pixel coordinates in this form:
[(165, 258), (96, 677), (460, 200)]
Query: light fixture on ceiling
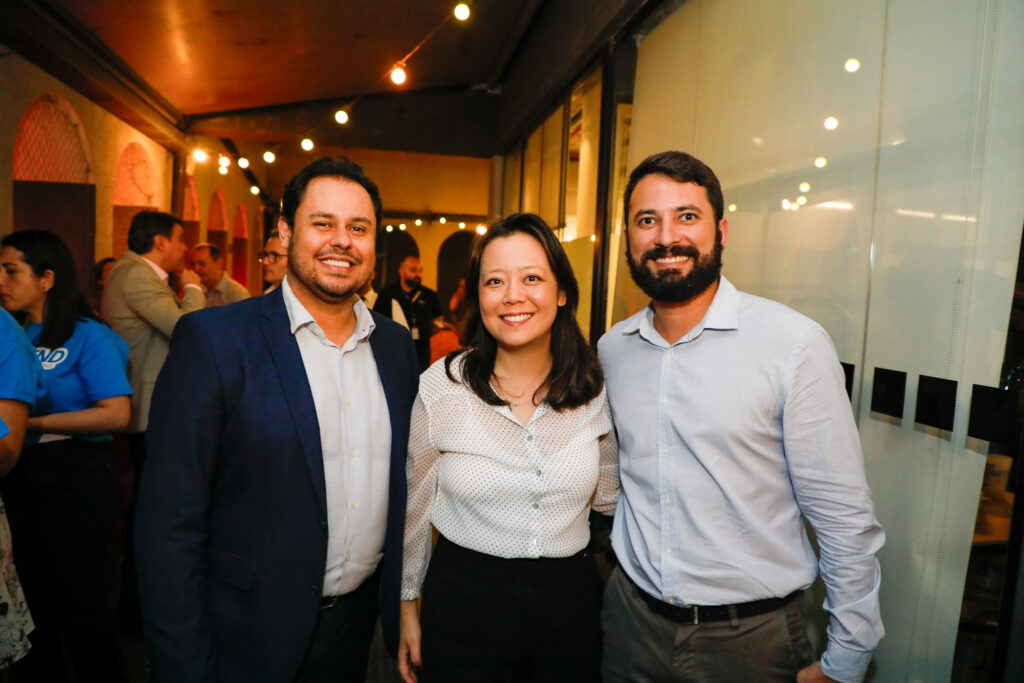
[(224, 160), (442, 220), (401, 226), (801, 200), (461, 11), (341, 116), (480, 229), (390, 228), (462, 226), (821, 162), (852, 64), (398, 74), (254, 190), (306, 144), (223, 170), (200, 155), (243, 162), (732, 207), (418, 221), (269, 157), (831, 123), (805, 187)]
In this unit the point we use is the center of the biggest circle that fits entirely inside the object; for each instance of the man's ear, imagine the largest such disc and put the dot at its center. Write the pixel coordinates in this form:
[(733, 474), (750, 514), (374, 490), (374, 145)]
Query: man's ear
[(284, 232)]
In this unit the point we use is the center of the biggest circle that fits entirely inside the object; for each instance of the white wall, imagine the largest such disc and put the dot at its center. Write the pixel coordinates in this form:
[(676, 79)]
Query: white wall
[(906, 249)]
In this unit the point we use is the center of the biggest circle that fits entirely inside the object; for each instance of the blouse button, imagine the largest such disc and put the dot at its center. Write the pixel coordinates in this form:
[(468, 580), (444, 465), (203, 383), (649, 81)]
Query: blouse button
[(535, 506), (529, 437)]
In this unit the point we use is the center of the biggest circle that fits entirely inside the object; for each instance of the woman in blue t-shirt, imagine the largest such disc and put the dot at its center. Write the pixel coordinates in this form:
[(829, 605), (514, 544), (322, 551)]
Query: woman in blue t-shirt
[(62, 496)]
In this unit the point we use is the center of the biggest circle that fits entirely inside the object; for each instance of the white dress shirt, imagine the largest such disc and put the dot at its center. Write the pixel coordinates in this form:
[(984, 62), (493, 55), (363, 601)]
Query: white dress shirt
[(727, 438), (493, 485), (355, 436)]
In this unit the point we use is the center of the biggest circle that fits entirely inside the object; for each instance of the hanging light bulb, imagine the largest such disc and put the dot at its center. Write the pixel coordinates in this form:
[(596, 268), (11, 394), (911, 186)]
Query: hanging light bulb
[(398, 74), (243, 162), (481, 229), (224, 161), (306, 144), (254, 190), (269, 157), (418, 222), (200, 155), (442, 220), (462, 11), (341, 116), (223, 170)]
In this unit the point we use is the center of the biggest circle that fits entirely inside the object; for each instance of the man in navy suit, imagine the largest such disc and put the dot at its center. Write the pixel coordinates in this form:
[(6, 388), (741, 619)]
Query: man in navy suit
[(270, 516)]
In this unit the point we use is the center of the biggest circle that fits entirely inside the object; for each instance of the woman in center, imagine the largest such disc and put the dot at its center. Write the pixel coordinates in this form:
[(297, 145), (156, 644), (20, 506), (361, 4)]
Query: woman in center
[(511, 444)]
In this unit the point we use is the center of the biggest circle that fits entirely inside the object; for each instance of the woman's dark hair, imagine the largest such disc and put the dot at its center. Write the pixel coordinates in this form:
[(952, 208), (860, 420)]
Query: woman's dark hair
[(42, 251), (575, 376)]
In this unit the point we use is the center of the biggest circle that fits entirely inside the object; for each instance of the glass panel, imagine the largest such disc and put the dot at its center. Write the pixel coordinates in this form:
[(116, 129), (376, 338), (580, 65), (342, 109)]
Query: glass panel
[(616, 307), (551, 168), (531, 171), (513, 181)]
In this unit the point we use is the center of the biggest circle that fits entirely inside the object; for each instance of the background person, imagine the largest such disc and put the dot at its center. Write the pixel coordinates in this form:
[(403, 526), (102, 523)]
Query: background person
[(274, 263), (62, 496), (511, 445), (412, 305), (20, 383), (209, 266)]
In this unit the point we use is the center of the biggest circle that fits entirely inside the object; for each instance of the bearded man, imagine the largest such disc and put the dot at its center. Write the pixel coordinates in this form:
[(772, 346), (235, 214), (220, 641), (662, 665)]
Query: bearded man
[(270, 518), (734, 429)]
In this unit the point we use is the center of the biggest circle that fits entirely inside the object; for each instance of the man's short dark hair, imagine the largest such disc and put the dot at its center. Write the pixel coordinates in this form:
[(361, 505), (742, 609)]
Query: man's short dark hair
[(338, 167), (274, 234), (211, 247), (146, 225), (682, 168)]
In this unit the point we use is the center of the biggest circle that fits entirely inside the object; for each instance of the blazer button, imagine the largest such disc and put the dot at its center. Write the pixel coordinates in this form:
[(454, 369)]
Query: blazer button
[(323, 524)]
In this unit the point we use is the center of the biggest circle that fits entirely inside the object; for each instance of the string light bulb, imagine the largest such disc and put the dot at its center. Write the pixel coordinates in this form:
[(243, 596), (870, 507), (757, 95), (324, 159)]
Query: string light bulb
[(442, 220), (269, 157), (243, 162), (223, 170), (418, 221), (224, 161), (306, 144), (481, 229), (462, 11), (398, 74), (341, 116), (200, 155), (254, 190)]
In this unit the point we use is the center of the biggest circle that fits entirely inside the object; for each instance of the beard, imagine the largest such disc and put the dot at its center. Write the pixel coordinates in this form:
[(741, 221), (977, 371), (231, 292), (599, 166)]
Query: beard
[(327, 290), (412, 283), (671, 286)]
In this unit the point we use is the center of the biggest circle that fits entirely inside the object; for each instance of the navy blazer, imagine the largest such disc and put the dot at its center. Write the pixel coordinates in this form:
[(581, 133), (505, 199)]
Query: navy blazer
[(231, 522)]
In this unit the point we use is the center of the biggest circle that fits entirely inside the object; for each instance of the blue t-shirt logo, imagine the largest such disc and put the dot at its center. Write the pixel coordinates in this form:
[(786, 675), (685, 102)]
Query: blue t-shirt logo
[(51, 358)]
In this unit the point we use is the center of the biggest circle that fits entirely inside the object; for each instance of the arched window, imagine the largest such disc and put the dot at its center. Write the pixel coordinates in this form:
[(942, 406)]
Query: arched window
[(217, 222), (240, 247), (190, 214), (133, 191), (53, 178)]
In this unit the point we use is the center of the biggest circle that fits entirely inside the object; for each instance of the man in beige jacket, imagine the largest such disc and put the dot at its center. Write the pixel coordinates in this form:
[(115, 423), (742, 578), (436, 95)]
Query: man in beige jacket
[(140, 306)]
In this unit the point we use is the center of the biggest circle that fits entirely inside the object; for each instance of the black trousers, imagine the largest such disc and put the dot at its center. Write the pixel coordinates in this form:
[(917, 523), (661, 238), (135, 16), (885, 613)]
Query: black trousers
[(62, 501), (485, 618), (341, 641)]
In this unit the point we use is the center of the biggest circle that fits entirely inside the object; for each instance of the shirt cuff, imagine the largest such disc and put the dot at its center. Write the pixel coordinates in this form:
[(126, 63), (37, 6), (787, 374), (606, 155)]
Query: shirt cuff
[(845, 665), (192, 285)]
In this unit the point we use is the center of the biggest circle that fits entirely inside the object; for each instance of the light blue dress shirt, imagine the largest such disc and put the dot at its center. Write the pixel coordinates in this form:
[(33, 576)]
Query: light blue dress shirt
[(729, 437)]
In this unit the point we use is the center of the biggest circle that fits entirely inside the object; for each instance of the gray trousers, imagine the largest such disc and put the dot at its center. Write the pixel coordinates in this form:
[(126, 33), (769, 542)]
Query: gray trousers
[(643, 647)]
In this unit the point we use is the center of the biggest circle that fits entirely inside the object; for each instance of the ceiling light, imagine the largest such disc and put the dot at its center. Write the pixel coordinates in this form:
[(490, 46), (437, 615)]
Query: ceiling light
[(341, 116), (254, 190), (462, 11), (805, 187), (481, 229), (223, 160), (801, 200), (401, 226), (418, 222), (269, 157), (786, 204), (794, 207), (841, 206), (398, 74), (200, 155), (593, 238), (732, 207), (831, 123), (852, 64), (390, 228), (307, 144), (223, 170), (442, 220), (461, 226), (821, 162), (243, 162)]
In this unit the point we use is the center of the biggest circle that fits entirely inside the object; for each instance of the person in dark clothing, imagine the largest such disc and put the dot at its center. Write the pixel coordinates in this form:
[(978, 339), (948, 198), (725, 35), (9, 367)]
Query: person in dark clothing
[(412, 305)]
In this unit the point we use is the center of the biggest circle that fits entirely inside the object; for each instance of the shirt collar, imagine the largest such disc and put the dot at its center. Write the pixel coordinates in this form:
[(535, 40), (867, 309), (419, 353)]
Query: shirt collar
[(722, 314), (161, 273), (298, 316)]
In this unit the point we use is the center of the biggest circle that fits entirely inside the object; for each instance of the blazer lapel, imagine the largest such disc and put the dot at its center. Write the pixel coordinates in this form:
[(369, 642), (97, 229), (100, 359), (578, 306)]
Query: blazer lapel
[(288, 361), (389, 378)]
